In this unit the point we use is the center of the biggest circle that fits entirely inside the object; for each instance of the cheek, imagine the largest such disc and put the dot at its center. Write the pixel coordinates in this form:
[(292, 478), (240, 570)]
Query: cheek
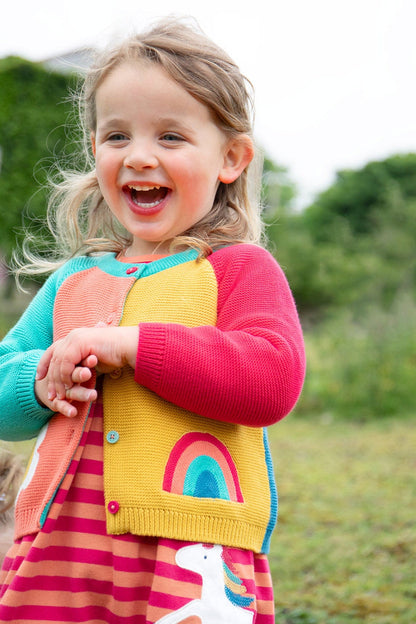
[(105, 170)]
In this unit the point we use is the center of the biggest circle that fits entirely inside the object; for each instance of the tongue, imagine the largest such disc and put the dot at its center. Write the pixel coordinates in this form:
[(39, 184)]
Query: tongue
[(148, 197)]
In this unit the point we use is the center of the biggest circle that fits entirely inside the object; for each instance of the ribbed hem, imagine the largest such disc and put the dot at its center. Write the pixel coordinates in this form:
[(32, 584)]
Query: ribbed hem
[(27, 522), (188, 527)]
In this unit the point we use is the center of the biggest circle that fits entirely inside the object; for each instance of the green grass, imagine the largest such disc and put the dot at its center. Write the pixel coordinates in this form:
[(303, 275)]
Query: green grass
[(345, 547)]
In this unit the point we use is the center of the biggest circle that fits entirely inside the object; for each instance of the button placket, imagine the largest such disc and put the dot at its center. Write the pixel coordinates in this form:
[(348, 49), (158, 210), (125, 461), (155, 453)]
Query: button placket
[(113, 436)]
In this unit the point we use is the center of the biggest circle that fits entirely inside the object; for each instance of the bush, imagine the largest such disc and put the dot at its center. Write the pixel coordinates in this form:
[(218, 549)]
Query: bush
[(34, 108), (363, 367)]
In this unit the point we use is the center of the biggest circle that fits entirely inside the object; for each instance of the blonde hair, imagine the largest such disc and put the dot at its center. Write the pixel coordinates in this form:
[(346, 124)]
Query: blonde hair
[(78, 216)]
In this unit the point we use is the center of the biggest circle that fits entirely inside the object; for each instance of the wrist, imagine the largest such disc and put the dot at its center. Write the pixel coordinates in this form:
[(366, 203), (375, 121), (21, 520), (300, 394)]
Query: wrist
[(41, 393), (130, 345)]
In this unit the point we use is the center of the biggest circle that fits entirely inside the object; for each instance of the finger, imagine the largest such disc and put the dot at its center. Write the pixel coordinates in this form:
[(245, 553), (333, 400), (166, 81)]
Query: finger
[(51, 390), (61, 371), (65, 408), (90, 361), (56, 388), (43, 365), (81, 374), (66, 371), (80, 393)]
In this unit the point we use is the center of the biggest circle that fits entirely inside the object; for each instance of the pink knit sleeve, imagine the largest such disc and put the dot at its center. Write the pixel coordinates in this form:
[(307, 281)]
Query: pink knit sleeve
[(249, 369)]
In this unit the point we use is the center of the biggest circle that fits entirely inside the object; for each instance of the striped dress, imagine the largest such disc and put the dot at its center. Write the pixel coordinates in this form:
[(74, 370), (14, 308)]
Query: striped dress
[(73, 571)]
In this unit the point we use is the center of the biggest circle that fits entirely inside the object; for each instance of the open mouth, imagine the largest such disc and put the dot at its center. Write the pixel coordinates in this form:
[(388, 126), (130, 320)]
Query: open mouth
[(147, 196)]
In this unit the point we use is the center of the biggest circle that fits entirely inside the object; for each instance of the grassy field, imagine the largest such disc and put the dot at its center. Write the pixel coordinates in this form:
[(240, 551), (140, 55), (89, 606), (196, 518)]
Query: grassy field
[(345, 547)]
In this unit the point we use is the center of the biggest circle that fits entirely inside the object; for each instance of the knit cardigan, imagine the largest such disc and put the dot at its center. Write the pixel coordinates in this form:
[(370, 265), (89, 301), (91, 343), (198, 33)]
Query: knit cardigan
[(220, 357)]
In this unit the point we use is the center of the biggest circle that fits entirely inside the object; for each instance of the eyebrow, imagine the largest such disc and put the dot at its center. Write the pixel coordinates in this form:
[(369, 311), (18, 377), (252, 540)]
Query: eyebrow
[(175, 123), (112, 121)]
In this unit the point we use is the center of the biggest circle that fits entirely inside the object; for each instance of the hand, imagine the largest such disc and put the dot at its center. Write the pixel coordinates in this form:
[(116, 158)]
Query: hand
[(77, 392), (102, 348)]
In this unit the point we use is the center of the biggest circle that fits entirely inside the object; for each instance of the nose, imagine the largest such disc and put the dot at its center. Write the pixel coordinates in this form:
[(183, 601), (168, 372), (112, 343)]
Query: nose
[(140, 155)]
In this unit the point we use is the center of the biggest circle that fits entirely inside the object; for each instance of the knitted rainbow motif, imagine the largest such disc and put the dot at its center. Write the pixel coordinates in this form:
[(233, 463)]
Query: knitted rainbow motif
[(200, 465)]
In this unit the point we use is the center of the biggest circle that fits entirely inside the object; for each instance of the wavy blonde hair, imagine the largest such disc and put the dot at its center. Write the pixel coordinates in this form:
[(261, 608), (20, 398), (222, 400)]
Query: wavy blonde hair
[(78, 216)]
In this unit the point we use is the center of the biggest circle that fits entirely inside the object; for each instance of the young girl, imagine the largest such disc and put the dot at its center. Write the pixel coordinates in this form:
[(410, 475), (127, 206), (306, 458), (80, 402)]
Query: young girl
[(152, 359)]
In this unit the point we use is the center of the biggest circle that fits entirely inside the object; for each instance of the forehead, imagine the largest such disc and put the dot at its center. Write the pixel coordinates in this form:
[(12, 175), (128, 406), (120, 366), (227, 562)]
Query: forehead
[(139, 85)]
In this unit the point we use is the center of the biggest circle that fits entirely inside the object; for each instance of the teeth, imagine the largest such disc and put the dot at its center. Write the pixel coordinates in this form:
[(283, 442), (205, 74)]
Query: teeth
[(151, 205), (144, 188)]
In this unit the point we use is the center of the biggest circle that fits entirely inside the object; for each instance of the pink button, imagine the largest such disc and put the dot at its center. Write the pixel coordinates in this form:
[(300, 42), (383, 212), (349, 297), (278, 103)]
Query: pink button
[(131, 270), (113, 507), (116, 373)]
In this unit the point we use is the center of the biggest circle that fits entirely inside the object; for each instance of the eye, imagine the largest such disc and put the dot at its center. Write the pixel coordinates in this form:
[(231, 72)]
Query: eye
[(172, 137), (116, 137)]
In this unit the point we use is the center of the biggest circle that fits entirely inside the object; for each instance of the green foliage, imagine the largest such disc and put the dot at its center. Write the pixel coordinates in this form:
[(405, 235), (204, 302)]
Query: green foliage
[(320, 275), (357, 194), (332, 265), (355, 288), (34, 107), (278, 190), (362, 367)]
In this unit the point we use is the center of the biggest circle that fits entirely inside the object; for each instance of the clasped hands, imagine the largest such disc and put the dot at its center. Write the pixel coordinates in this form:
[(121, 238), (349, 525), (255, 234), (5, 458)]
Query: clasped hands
[(69, 363)]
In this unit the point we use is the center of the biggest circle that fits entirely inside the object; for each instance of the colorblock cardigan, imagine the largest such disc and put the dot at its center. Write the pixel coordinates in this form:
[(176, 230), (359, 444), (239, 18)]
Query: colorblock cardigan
[(220, 357)]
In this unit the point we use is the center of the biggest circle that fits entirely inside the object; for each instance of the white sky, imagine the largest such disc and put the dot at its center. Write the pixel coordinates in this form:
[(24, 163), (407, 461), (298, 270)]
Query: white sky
[(335, 80)]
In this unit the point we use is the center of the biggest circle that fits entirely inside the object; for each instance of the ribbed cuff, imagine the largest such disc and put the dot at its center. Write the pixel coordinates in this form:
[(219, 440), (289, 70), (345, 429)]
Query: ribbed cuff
[(25, 389), (150, 354)]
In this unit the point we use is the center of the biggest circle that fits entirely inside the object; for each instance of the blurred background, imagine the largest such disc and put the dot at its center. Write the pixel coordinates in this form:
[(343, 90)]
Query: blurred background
[(335, 117)]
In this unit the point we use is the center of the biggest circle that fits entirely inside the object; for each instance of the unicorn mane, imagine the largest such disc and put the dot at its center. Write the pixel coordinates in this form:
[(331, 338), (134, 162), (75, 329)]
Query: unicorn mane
[(233, 585)]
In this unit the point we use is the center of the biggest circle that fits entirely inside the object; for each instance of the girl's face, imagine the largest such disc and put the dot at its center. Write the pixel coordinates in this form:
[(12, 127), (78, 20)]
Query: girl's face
[(159, 155)]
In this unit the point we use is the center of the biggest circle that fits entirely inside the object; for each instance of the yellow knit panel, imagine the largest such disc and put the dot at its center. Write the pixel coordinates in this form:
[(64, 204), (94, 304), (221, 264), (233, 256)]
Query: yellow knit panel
[(185, 294), (149, 428)]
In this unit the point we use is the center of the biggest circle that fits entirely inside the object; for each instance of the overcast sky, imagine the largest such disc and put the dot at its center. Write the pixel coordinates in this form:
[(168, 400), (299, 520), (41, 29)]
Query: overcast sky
[(335, 80)]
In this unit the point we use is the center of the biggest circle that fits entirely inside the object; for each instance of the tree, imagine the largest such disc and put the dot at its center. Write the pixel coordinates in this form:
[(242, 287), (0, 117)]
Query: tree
[(356, 196), (278, 190), (34, 108), (355, 244)]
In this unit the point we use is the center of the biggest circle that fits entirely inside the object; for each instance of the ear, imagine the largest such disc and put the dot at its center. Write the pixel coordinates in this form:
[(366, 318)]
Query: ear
[(238, 154), (93, 144)]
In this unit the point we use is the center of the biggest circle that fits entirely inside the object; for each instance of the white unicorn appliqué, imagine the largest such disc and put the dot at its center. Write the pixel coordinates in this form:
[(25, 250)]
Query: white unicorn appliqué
[(218, 603)]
